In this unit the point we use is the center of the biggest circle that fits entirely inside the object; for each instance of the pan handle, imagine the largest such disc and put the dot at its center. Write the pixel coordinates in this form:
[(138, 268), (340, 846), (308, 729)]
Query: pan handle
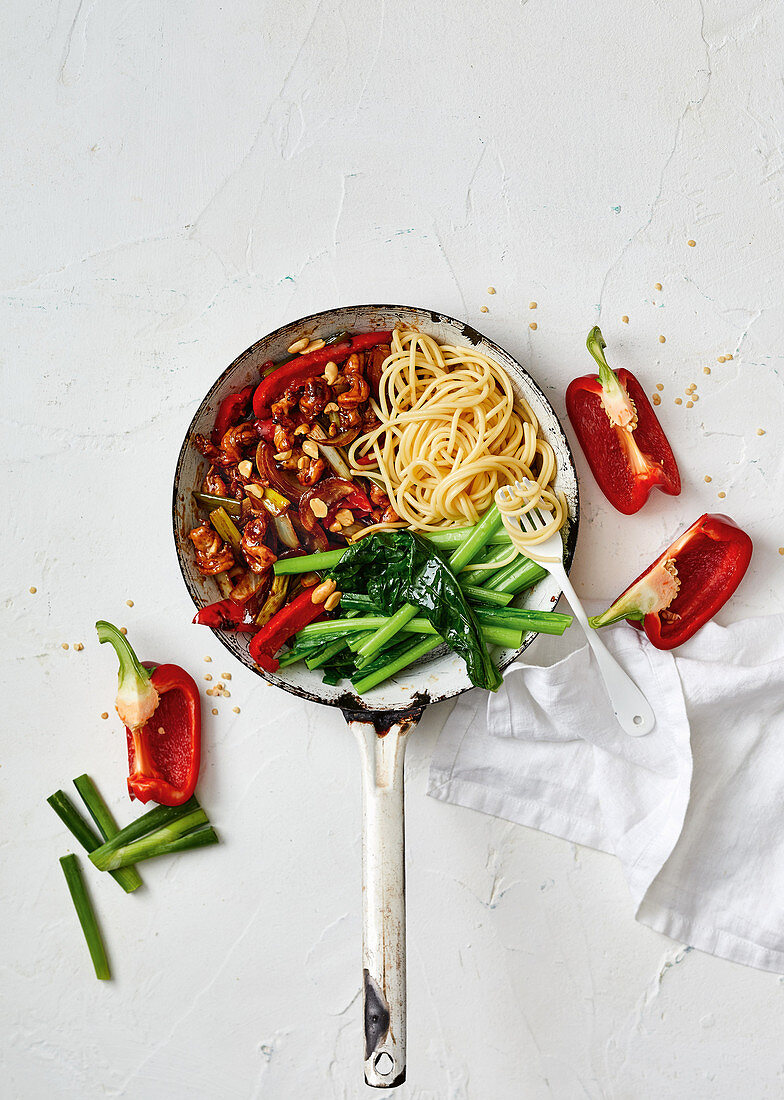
[(382, 745)]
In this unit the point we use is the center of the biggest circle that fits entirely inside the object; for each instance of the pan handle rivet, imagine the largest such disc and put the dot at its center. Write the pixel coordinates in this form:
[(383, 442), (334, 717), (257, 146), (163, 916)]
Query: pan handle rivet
[(383, 1064)]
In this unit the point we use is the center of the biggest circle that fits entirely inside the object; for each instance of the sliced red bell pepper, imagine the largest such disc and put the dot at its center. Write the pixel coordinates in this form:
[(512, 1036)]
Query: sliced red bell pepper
[(686, 585), (622, 439), (226, 615), (291, 618), (308, 366), (231, 411), (161, 710)]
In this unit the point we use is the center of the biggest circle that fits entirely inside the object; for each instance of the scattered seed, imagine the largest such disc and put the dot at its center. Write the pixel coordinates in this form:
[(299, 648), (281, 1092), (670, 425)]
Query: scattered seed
[(210, 691), (722, 359), (227, 695), (695, 397), (659, 386), (722, 495), (64, 645), (214, 710), (625, 319), (533, 325), (78, 646), (760, 431), (689, 404), (129, 603), (706, 370), (236, 710), (208, 677), (123, 630), (658, 286), (691, 244), (662, 339), (483, 309), (104, 714), (656, 399), (532, 305), (298, 345), (678, 400), (728, 357), (781, 550), (33, 590), (491, 290), (313, 345), (161, 729), (225, 676), (708, 479)]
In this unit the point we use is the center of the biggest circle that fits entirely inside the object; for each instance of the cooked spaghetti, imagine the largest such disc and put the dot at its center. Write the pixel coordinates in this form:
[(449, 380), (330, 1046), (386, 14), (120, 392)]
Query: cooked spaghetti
[(451, 432)]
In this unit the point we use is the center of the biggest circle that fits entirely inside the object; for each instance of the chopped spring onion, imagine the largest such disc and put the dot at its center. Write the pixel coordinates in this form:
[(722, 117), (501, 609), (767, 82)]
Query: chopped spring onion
[(62, 805), (86, 915)]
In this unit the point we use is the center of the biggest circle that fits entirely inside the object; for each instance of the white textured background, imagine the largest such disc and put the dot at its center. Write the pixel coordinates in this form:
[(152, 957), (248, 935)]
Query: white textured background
[(180, 178)]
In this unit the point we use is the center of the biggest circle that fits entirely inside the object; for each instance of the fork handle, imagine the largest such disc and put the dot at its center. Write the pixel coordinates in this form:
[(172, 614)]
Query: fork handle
[(633, 711)]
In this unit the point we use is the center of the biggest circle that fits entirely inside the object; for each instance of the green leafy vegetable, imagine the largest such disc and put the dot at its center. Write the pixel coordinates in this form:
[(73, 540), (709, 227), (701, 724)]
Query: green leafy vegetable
[(397, 567)]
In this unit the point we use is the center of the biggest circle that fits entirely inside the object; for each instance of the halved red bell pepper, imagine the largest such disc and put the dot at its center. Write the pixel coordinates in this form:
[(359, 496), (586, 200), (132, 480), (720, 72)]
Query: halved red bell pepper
[(232, 409), (308, 366), (265, 644), (160, 708), (686, 585), (622, 439)]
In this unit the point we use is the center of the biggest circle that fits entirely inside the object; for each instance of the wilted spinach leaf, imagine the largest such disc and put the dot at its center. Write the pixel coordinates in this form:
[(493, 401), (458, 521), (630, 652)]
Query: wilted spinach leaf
[(398, 567)]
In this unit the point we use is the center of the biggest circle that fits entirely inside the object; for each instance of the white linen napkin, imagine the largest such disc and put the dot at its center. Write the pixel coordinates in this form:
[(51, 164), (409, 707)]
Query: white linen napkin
[(694, 810)]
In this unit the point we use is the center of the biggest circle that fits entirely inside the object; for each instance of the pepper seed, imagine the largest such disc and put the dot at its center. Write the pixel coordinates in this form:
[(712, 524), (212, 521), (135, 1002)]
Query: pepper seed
[(678, 400), (722, 359), (658, 286), (659, 386), (129, 603), (662, 339), (722, 496), (760, 431), (236, 710), (533, 325), (691, 244), (105, 715), (689, 404), (491, 290), (706, 370), (781, 550), (532, 305), (208, 676), (33, 590), (656, 399), (483, 309), (225, 676), (64, 645), (625, 319), (214, 710), (708, 479), (123, 630), (78, 647), (208, 659)]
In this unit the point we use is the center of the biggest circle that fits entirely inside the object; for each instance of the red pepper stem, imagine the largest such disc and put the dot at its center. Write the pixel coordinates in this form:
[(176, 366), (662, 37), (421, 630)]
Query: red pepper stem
[(652, 593), (596, 345), (616, 401), (137, 699)]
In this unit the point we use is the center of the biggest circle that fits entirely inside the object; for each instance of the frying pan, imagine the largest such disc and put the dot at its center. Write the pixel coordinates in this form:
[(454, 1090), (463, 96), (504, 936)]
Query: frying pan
[(383, 718)]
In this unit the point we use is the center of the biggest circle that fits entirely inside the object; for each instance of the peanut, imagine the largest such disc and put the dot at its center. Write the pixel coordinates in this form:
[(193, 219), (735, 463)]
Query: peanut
[(322, 591)]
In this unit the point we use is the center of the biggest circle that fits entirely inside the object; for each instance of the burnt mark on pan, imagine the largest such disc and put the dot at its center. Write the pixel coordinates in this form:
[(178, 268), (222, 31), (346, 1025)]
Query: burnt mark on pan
[(472, 335), (383, 720), (376, 1014)]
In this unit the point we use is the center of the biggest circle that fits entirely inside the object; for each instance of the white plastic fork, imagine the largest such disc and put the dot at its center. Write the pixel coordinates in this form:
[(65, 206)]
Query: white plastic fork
[(633, 711)]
